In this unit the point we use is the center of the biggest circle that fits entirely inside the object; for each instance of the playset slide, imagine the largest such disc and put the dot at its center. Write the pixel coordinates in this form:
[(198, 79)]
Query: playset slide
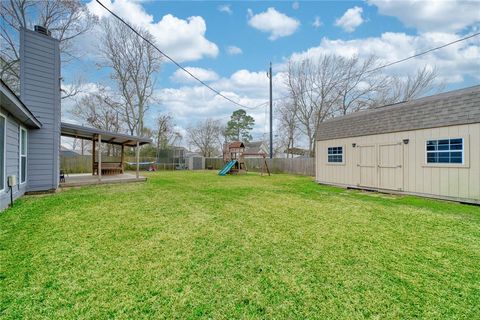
[(227, 167)]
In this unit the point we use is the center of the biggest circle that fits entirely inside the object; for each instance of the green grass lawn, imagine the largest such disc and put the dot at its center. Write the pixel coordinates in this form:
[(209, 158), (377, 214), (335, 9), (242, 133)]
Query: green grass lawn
[(195, 245)]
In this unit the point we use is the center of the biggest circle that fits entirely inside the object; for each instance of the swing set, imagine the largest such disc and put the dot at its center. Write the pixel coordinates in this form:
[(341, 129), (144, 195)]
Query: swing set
[(234, 159)]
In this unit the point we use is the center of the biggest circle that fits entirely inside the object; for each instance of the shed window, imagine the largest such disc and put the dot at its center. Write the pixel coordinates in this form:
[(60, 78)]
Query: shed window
[(335, 154), (445, 151), (23, 155), (3, 124)]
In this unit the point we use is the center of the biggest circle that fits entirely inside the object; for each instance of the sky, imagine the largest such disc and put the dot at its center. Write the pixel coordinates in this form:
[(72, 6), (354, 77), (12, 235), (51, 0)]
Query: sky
[(230, 45)]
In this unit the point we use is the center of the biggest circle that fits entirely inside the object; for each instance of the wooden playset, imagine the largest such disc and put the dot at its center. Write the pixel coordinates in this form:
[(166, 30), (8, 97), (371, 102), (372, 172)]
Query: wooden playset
[(234, 159)]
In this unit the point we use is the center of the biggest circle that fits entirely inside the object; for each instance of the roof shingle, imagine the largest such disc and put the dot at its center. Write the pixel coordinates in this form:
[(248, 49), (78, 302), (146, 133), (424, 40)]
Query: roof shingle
[(445, 109)]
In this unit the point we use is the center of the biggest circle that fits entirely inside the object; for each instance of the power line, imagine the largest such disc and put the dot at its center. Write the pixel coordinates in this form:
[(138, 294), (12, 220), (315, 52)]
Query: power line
[(172, 60), (424, 52), (392, 63), (280, 98)]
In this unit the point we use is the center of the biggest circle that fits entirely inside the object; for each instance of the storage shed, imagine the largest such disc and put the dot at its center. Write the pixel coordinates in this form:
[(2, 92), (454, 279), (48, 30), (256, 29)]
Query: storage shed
[(195, 161), (427, 147)]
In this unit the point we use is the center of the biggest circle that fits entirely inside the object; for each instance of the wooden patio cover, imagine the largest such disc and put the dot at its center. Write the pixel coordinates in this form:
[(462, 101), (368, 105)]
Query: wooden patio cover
[(97, 136)]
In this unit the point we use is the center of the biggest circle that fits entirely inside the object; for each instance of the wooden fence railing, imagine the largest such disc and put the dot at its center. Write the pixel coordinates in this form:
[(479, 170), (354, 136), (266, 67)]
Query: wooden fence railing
[(300, 166), (83, 164), (77, 164)]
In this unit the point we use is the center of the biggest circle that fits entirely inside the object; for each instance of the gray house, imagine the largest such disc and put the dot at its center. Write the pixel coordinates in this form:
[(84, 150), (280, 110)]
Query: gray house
[(256, 149), (16, 120), (30, 125)]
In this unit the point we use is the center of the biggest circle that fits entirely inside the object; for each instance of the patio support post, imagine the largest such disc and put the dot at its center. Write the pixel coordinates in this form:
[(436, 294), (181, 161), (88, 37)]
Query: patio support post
[(122, 157), (99, 157), (138, 158), (93, 156)]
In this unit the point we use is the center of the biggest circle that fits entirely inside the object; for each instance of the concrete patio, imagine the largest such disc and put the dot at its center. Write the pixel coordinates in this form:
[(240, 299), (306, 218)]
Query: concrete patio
[(86, 179)]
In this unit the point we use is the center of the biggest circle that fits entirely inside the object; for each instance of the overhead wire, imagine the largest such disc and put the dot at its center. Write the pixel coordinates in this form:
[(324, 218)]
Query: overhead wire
[(173, 60), (392, 63), (283, 97)]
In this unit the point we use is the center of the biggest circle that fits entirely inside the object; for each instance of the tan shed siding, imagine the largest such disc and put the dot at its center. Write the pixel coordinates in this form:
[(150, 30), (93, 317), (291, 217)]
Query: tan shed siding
[(474, 174), (458, 182)]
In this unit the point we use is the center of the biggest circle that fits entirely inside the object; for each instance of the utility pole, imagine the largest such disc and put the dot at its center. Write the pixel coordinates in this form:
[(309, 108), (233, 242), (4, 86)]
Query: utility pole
[(269, 74)]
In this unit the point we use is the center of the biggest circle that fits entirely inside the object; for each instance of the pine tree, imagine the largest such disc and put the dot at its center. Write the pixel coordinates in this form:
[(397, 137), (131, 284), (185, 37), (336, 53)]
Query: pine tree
[(240, 126)]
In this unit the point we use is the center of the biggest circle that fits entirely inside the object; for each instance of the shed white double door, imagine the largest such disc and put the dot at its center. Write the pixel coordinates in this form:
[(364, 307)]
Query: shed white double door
[(380, 165)]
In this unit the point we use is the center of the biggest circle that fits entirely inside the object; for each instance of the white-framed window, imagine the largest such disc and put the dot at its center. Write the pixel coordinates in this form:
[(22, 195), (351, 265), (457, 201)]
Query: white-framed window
[(445, 151), (335, 154), (3, 151), (23, 155)]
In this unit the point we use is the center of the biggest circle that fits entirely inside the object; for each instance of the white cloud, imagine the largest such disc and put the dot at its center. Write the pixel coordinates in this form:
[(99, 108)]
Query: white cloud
[(225, 8), (206, 75), (351, 19), (429, 15), (234, 50), (317, 23), (296, 5), (273, 22), (184, 40), (453, 63), (191, 104)]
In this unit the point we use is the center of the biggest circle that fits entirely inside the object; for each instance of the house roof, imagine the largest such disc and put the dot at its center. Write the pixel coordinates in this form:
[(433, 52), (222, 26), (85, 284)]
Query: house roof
[(192, 154), (65, 152), (297, 151), (445, 109), (78, 131), (12, 103), (253, 144), (236, 144), (255, 147)]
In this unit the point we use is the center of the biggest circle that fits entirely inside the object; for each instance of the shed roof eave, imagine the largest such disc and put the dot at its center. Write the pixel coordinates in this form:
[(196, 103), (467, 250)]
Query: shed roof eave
[(451, 108)]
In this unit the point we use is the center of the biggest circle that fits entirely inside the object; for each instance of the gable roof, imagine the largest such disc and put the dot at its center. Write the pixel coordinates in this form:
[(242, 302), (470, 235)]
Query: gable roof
[(445, 109), (68, 153), (255, 147), (253, 144), (12, 103)]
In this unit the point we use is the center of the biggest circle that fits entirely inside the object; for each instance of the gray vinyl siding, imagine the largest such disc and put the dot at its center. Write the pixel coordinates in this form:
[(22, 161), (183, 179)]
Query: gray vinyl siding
[(40, 91), (12, 164)]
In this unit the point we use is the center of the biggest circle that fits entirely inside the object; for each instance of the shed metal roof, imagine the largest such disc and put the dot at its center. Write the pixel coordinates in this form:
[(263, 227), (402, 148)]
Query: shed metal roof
[(446, 109), (78, 131), (12, 103)]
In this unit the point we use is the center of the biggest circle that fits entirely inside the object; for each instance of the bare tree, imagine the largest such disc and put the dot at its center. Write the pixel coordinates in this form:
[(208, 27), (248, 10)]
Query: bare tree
[(206, 136), (133, 63), (66, 19), (98, 111), (299, 86), (287, 124), (359, 86), (164, 132), (312, 85), (408, 88), (81, 145), (331, 85)]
